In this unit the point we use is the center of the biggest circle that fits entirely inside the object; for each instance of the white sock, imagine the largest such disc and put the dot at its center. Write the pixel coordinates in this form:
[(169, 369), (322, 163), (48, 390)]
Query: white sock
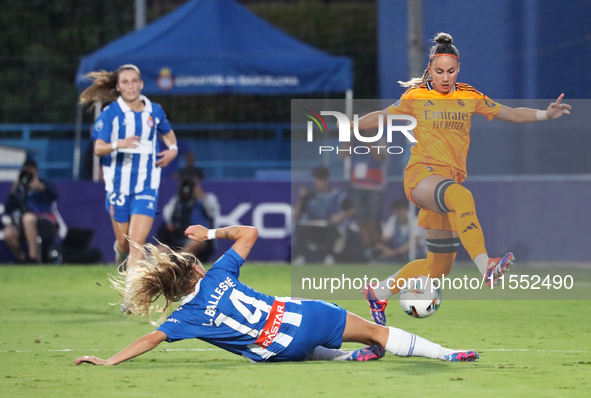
[(327, 354), (404, 344), (481, 261), (382, 291)]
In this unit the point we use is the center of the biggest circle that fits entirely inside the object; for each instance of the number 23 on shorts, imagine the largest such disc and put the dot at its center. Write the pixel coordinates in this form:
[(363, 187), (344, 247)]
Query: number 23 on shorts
[(116, 199)]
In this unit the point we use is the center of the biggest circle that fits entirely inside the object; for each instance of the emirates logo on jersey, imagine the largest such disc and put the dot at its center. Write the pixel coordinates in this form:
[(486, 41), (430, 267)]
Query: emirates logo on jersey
[(150, 122)]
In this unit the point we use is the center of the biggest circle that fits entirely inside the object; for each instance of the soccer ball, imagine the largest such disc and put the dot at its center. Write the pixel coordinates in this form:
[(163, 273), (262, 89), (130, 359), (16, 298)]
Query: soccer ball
[(420, 298)]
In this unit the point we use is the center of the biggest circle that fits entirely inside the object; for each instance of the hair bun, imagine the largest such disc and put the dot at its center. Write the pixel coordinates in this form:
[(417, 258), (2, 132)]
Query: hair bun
[(443, 38)]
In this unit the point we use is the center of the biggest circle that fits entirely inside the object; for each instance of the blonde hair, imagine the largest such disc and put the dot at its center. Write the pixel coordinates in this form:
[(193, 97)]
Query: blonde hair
[(163, 276), (444, 46), (104, 85)]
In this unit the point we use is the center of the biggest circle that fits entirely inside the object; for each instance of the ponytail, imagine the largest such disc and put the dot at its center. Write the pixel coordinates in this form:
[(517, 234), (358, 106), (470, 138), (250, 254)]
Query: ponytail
[(417, 81), (104, 86)]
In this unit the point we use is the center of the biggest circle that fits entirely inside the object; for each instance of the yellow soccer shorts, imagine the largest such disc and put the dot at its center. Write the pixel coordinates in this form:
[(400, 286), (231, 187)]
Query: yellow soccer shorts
[(427, 218)]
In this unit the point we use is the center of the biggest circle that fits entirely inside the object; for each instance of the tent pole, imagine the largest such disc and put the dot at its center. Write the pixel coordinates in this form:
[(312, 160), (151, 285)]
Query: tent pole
[(77, 142), (140, 14), (415, 38), (415, 68), (349, 103)]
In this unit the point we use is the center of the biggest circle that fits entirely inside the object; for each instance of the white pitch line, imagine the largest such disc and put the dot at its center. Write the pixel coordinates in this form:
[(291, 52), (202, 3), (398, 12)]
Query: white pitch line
[(219, 349), (110, 349), (529, 350)]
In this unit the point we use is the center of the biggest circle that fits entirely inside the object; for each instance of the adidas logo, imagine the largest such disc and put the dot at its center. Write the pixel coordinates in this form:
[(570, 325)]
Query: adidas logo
[(429, 103), (471, 226)]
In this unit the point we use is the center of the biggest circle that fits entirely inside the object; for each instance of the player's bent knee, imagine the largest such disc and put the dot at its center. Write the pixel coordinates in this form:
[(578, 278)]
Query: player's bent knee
[(360, 330), (439, 194), (380, 336), (464, 192), (373, 334)]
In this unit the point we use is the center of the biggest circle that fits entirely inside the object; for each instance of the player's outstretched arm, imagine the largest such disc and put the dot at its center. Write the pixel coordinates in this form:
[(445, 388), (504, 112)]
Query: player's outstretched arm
[(244, 236), (528, 115), (138, 347)]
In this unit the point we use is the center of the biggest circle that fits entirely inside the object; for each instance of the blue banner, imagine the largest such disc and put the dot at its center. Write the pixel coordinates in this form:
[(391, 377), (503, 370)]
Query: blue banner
[(534, 219), (266, 205)]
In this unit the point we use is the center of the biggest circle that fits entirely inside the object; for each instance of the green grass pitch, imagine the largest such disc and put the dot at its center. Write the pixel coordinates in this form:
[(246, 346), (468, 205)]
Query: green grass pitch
[(51, 315)]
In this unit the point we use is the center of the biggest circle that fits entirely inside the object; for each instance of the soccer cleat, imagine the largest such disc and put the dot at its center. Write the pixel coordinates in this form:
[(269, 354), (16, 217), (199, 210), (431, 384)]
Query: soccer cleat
[(497, 268), (120, 257), (367, 353), (378, 307), (461, 356)]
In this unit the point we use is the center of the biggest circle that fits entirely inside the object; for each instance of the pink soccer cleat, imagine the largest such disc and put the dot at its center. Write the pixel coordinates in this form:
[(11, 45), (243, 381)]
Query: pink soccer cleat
[(378, 307), (497, 268)]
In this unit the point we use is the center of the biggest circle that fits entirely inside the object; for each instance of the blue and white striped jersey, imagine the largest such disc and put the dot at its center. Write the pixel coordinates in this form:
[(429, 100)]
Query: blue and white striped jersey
[(228, 314), (130, 171)]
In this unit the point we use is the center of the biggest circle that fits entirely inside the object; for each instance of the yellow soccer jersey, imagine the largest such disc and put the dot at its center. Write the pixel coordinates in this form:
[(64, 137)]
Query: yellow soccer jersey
[(443, 122)]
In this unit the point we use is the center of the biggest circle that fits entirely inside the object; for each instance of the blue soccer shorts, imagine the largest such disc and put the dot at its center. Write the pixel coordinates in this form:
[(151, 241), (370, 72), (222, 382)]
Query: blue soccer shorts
[(121, 207), (322, 324)]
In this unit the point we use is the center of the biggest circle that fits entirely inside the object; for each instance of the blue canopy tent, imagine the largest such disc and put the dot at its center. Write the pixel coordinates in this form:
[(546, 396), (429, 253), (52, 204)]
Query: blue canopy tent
[(210, 47), (213, 47)]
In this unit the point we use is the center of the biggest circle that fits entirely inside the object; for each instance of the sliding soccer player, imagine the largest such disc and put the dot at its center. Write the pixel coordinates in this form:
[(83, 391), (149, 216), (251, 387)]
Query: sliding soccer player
[(219, 309)]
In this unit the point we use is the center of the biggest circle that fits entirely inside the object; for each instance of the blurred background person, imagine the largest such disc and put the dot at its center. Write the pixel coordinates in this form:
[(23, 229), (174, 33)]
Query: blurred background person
[(190, 206), (321, 213), (30, 215), (189, 170), (395, 243)]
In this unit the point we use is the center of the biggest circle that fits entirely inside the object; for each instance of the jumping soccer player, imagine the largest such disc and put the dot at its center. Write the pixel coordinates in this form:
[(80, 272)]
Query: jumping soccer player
[(217, 308), (126, 137), (437, 167)]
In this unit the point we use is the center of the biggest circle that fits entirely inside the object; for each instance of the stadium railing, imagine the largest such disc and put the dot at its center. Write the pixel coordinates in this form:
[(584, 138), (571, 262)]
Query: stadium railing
[(54, 145)]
